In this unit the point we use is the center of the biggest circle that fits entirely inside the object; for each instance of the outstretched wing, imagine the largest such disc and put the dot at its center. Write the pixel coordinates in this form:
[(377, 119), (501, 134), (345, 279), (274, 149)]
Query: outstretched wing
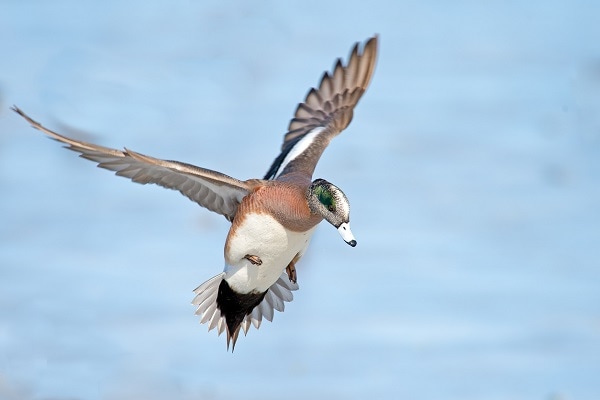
[(325, 112), (210, 189)]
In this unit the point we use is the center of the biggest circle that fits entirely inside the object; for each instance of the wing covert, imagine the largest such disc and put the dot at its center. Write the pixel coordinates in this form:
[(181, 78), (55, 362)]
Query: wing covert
[(210, 189)]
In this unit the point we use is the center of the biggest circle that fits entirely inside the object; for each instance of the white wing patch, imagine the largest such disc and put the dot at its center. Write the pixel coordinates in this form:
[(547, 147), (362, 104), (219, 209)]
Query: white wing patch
[(299, 148)]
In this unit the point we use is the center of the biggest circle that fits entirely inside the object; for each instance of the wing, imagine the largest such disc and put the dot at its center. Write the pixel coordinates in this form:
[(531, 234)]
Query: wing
[(325, 112), (213, 190)]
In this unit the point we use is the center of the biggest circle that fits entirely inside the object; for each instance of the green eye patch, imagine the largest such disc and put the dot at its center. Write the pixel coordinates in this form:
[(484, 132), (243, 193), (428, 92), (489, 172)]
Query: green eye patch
[(325, 197)]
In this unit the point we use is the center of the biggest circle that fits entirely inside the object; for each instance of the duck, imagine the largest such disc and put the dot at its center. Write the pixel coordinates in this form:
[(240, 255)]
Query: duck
[(273, 218)]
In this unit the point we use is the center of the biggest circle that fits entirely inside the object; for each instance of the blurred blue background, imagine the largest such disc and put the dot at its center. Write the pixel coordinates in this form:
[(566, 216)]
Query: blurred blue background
[(472, 166)]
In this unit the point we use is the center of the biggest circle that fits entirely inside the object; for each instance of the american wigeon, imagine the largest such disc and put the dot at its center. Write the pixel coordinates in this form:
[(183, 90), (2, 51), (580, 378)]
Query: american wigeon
[(272, 219)]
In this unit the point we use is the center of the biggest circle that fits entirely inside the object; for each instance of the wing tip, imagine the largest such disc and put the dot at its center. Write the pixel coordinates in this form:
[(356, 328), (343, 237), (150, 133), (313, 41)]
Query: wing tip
[(22, 113), (355, 72)]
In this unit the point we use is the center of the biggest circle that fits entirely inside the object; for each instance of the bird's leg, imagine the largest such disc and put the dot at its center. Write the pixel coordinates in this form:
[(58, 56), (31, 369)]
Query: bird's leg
[(253, 259), (291, 271)]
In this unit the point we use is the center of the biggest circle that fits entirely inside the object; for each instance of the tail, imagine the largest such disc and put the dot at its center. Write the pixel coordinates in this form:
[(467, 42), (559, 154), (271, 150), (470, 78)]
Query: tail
[(223, 308)]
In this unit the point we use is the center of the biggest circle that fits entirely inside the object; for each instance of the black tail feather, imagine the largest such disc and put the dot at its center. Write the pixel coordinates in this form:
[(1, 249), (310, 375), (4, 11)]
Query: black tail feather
[(235, 307)]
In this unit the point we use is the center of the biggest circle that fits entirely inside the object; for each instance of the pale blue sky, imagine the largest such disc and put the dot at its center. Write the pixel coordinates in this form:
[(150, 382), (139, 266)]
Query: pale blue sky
[(471, 167)]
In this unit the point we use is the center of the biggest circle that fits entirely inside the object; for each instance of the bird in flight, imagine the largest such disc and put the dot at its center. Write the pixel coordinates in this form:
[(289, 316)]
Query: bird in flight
[(272, 219)]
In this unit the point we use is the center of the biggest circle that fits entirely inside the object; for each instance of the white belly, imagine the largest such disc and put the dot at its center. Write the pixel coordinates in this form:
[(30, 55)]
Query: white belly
[(261, 235)]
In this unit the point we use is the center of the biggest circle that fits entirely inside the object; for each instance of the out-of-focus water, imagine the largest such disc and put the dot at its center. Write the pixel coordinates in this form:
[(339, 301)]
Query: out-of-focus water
[(472, 166)]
